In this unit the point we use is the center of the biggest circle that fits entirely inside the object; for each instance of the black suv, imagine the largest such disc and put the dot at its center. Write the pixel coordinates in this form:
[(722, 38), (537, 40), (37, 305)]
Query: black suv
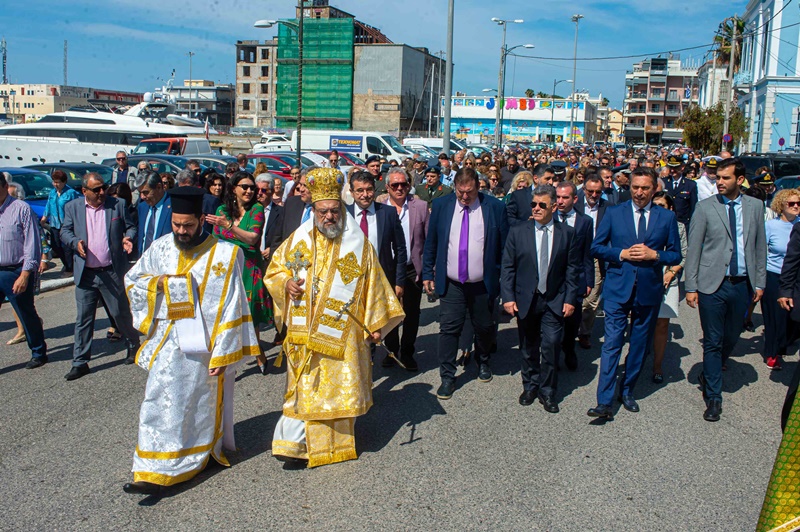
[(779, 164)]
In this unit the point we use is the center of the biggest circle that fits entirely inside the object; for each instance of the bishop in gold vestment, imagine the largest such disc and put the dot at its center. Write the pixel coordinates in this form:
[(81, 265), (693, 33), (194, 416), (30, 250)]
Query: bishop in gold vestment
[(327, 287)]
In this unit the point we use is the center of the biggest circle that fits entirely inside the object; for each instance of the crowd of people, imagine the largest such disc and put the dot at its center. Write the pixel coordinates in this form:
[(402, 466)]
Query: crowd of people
[(553, 238)]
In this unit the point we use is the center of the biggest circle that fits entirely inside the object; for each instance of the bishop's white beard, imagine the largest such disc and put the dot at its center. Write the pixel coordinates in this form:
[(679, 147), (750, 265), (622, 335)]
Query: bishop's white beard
[(331, 231)]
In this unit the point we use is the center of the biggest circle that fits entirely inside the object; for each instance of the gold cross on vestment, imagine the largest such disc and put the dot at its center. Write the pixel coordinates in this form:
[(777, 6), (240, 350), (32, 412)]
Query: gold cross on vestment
[(218, 269), (299, 263)]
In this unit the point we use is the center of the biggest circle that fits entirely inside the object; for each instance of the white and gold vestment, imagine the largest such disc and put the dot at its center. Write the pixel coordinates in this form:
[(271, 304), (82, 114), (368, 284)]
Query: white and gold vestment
[(193, 308)]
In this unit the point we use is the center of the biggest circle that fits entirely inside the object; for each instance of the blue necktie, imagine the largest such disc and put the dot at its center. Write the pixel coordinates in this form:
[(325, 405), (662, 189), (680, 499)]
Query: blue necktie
[(306, 214), (641, 228), (734, 268), (151, 229)]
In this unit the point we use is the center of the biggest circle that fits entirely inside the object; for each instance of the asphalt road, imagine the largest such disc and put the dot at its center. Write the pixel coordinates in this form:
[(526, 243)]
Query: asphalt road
[(479, 461)]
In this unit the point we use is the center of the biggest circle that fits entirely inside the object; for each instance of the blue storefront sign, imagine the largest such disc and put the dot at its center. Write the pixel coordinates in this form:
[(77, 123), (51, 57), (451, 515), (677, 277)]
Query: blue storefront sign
[(344, 143)]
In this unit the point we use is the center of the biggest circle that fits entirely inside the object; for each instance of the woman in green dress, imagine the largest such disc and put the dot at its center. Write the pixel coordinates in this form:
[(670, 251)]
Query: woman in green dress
[(240, 220)]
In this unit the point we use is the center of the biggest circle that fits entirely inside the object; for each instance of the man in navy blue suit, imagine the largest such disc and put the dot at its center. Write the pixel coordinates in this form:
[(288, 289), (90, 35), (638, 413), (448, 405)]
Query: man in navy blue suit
[(636, 239), (566, 195), (461, 264), (155, 210)]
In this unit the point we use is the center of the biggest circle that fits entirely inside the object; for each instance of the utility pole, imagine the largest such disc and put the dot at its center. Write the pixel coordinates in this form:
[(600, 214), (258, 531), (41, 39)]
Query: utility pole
[(448, 81), (713, 81), (576, 19), (65, 63), (498, 120), (730, 79), (190, 54), (300, 80), (430, 106), (4, 53)]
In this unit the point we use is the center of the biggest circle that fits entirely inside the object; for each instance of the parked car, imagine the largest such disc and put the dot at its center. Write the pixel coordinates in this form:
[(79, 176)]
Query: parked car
[(36, 185), (173, 146), (220, 162), (160, 163), (350, 158), (275, 164), (789, 181), (781, 165), (75, 172)]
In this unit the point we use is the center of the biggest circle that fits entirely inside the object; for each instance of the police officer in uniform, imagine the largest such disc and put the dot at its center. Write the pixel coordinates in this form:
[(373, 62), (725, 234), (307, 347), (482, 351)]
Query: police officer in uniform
[(682, 190)]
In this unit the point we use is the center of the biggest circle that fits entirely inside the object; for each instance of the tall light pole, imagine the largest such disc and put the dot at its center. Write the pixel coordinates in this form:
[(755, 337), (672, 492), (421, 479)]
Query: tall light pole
[(190, 54), (448, 77), (498, 120), (731, 61), (13, 95), (299, 29), (553, 103), (576, 19)]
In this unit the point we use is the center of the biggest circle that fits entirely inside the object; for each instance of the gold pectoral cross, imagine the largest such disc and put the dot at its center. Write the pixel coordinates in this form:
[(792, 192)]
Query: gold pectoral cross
[(299, 263)]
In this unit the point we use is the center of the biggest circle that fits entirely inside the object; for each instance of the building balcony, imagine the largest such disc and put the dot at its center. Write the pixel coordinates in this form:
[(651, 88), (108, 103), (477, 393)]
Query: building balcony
[(634, 127), (673, 112), (742, 78), (635, 113), (656, 96), (637, 96)]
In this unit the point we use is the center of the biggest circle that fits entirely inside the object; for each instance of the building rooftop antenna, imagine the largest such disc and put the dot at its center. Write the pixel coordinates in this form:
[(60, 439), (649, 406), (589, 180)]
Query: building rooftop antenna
[(3, 52)]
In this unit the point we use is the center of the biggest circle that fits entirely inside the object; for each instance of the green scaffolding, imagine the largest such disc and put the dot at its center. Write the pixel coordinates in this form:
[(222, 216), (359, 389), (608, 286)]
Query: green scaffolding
[(327, 74)]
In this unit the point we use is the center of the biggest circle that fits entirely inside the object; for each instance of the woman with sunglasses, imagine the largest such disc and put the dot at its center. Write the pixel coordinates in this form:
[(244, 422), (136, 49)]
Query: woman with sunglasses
[(778, 327), (240, 220)]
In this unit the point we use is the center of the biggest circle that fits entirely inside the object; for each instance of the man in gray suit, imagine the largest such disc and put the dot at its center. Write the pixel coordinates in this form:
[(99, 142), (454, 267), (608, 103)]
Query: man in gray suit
[(726, 262), (100, 231)]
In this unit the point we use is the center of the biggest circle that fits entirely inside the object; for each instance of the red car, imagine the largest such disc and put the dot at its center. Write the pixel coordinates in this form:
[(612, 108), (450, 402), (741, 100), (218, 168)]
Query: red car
[(348, 159), (276, 164)]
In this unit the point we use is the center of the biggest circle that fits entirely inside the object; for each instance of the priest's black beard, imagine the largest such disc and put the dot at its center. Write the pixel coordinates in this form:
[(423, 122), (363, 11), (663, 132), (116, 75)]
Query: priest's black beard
[(333, 231), (195, 241)]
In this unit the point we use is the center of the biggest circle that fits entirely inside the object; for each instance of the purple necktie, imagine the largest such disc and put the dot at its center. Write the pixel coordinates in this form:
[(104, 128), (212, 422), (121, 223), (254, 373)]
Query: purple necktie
[(463, 247)]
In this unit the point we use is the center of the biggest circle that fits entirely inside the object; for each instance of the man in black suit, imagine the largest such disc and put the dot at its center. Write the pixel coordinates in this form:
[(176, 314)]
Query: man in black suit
[(519, 205), (296, 209), (682, 190), (101, 232), (190, 177), (461, 263), (594, 206), (273, 214), (540, 279), (566, 195), (789, 300), (619, 191)]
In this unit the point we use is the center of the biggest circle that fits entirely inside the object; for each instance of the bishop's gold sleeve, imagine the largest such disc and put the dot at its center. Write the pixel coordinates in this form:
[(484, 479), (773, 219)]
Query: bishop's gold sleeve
[(275, 279)]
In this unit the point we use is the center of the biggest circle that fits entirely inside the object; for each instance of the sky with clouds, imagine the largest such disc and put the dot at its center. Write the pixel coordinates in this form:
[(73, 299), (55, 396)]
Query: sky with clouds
[(130, 44)]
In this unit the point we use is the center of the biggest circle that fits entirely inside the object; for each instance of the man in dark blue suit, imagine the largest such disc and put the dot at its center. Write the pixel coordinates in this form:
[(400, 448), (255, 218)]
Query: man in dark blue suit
[(541, 277), (682, 190), (155, 210), (461, 264), (636, 239), (519, 204), (566, 195)]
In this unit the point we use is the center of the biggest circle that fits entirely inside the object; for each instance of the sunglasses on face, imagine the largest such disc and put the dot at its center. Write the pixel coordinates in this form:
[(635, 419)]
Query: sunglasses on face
[(247, 187), (540, 204), (96, 190), (398, 186), (122, 158), (264, 191), (792, 203)]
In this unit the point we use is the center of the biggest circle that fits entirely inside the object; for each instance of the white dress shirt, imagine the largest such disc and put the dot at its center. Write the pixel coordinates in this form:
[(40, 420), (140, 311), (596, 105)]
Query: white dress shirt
[(267, 211), (636, 216), (404, 221), (592, 212), (372, 223), (570, 220), (539, 234)]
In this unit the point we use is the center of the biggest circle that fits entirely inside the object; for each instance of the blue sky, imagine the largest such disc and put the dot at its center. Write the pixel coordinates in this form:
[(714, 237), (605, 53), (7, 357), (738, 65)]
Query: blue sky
[(129, 44)]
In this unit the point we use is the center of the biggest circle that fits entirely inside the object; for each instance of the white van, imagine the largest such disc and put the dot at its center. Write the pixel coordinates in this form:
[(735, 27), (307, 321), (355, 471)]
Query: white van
[(273, 143), (435, 143), (360, 143)]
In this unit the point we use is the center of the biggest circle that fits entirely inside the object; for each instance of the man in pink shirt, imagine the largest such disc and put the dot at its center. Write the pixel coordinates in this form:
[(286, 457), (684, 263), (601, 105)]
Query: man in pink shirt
[(101, 232)]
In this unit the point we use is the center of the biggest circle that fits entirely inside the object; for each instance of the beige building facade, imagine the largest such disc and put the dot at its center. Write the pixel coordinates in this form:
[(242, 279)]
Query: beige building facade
[(26, 102)]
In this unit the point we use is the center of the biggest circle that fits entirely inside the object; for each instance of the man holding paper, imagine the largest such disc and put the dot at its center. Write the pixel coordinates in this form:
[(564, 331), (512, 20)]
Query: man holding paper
[(187, 297)]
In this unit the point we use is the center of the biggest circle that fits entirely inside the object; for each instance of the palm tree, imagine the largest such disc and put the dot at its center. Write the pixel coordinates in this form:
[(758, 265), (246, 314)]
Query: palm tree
[(529, 93), (723, 41)]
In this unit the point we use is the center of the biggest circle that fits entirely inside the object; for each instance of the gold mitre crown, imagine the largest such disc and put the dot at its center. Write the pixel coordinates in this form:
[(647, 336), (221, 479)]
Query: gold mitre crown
[(325, 184)]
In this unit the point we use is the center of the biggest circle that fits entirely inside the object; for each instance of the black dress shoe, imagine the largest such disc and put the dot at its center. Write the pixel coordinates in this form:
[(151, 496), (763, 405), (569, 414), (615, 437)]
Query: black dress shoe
[(387, 362), (658, 378), (629, 403), (701, 380), (142, 488), (130, 357), (484, 373), (713, 411), (77, 372), (36, 362), (446, 390), (527, 397), (409, 362), (264, 368), (549, 404), (571, 360), (601, 412)]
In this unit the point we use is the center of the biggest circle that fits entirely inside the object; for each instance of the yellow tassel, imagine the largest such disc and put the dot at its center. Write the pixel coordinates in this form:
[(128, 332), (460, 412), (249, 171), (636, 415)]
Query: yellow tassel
[(279, 360)]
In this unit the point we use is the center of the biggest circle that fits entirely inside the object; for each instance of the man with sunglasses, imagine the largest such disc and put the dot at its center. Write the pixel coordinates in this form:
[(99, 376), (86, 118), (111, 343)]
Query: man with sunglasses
[(414, 215), (154, 209), (122, 172), (273, 214), (540, 278), (101, 232)]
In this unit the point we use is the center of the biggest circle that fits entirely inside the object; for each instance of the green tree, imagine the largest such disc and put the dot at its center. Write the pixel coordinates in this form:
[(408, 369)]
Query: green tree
[(703, 128), (529, 93), (723, 42), (605, 102)]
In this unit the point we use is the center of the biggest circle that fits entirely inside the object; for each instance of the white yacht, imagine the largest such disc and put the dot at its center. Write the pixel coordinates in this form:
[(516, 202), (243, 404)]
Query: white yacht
[(91, 134)]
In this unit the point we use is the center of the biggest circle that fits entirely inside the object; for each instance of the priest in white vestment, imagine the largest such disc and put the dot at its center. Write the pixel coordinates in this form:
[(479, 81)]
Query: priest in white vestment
[(187, 297)]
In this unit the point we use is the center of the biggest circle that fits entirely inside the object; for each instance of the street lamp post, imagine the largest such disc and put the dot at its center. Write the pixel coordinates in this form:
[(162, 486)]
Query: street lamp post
[(299, 29), (190, 54), (498, 121), (576, 19), (553, 104)]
